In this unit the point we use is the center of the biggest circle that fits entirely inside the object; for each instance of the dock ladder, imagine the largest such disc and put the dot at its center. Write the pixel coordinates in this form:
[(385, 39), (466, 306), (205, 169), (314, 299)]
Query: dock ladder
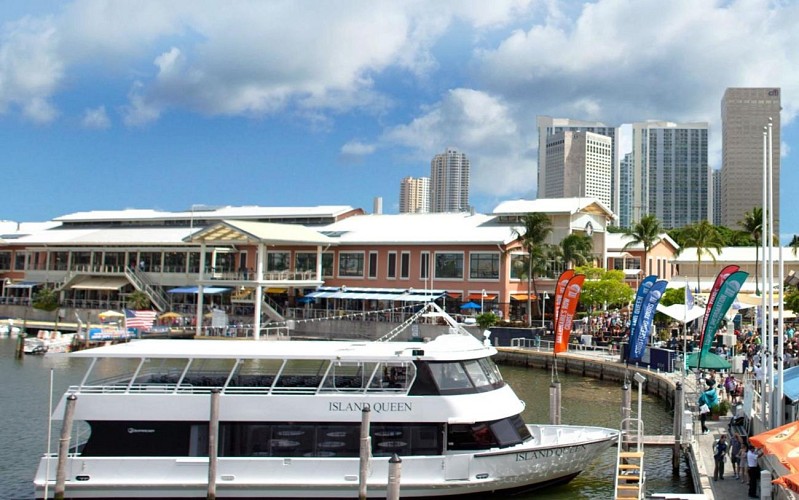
[(630, 474)]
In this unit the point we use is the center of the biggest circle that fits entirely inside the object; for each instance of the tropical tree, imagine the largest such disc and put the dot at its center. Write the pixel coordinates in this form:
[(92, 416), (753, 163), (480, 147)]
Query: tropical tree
[(47, 299), (645, 232), (604, 288), (532, 234), (794, 244), (138, 300), (705, 237), (577, 249), (752, 224)]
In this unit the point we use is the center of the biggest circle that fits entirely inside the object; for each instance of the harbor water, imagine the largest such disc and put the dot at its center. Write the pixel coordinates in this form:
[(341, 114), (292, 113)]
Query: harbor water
[(26, 391)]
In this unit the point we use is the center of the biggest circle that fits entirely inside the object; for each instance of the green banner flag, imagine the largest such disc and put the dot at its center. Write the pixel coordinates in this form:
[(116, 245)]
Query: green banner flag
[(726, 296)]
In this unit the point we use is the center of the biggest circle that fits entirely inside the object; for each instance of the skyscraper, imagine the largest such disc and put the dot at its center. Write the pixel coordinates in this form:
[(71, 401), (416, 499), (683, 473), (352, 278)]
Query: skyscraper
[(625, 212), (549, 126), (715, 196), (414, 195), (670, 172), (744, 113), (449, 182), (578, 165)]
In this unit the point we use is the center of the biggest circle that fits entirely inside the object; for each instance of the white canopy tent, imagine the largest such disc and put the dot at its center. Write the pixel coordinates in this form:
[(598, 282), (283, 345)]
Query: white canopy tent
[(677, 312)]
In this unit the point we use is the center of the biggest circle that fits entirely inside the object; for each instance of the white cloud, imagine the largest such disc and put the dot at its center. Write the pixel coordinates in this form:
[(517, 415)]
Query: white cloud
[(480, 125), (30, 70), (96, 118), (358, 148)]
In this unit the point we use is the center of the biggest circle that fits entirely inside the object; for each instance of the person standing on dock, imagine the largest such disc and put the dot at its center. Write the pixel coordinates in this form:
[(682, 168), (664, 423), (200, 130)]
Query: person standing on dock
[(754, 470), (735, 455), (719, 456), (707, 400)]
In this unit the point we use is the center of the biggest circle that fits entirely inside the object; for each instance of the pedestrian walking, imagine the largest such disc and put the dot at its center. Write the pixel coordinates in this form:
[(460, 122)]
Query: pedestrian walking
[(707, 400), (753, 469), (735, 455), (720, 449)]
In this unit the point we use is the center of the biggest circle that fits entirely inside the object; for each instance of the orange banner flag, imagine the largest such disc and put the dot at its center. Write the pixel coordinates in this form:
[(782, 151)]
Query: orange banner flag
[(565, 313)]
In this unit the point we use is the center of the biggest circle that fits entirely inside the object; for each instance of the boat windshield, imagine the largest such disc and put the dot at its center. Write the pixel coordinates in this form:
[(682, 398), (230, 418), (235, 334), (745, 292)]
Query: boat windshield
[(462, 377)]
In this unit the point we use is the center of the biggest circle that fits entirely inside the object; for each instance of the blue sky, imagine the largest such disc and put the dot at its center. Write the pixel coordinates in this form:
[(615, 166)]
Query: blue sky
[(112, 105)]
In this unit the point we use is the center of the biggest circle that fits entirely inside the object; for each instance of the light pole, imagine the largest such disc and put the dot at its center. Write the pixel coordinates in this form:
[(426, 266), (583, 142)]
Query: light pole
[(543, 307), (640, 379), (482, 297)]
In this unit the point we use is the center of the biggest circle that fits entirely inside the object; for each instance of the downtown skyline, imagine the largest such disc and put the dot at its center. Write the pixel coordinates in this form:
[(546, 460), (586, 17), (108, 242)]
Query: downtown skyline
[(164, 106)]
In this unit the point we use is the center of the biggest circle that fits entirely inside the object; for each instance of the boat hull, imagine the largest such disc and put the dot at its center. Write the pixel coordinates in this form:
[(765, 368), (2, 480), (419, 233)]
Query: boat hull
[(522, 467)]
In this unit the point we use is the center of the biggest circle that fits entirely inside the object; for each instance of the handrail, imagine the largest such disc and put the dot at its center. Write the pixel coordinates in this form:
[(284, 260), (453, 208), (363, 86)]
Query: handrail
[(143, 282)]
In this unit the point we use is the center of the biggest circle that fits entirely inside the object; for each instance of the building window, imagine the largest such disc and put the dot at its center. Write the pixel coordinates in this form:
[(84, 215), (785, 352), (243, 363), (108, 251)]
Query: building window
[(305, 262), (277, 261), (327, 264), (449, 266), (350, 264), (518, 266), (5, 261), (405, 265), (484, 266), (19, 260), (424, 265), (372, 265), (391, 268)]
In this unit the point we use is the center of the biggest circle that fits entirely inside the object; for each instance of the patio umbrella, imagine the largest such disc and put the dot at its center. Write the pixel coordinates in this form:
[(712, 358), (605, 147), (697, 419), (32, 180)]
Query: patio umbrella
[(470, 305), (111, 314), (170, 315), (709, 360)]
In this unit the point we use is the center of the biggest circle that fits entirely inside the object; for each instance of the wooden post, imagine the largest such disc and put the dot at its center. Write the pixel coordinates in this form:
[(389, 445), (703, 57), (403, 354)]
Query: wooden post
[(394, 476), (366, 452), (554, 403), (20, 345), (678, 426), (63, 447), (213, 433)]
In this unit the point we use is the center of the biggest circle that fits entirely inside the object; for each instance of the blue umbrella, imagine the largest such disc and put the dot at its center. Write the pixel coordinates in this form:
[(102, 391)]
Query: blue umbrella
[(470, 305), (305, 300)]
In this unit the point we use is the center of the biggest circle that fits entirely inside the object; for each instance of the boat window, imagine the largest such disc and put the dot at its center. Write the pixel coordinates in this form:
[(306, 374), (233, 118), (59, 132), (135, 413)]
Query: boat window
[(476, 373), (346, 376), (254, 375), (484, 435), (450, 377), (207, 373), (145, 438), (491, 370), (393, 377), (112, 372), (301, 375), (326, 439)]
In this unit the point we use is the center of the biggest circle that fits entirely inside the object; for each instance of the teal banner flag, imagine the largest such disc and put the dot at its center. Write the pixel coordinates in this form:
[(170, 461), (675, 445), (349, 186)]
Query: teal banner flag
[(724, 299)]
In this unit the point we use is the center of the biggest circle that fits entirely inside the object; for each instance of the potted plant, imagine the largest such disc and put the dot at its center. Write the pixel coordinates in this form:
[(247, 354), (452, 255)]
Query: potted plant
[(486, 320), (720, 410)]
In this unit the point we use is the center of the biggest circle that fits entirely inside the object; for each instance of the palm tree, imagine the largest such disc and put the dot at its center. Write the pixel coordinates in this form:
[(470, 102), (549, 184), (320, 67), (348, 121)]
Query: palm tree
[(577, 249), (752, 224), (794, 244), (534, 231), (645, 232), (704, 236), (138, 300)]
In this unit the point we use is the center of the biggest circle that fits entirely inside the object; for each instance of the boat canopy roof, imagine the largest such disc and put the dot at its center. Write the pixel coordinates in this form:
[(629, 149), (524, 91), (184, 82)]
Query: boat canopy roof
[(447, 347)]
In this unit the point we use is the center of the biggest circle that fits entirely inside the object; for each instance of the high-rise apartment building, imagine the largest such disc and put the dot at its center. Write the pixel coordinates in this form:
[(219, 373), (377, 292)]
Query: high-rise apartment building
[(414, 195), (548, 126), (625, 213), (449, 182), (715, 197), (744, 114), (579, 164), (670, 172)]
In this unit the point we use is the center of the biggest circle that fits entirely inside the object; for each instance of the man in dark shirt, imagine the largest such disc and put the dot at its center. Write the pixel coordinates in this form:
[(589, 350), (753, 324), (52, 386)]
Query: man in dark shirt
[(719, 456)]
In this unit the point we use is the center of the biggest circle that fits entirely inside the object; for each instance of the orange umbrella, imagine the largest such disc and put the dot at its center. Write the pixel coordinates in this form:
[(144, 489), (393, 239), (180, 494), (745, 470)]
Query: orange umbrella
[(783, 443)]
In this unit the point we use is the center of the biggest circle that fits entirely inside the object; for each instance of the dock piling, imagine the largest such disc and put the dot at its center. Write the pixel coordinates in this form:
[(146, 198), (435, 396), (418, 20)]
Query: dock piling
[(394, 476), (366, 452), (213, 433), (63, 448), (554, 403)]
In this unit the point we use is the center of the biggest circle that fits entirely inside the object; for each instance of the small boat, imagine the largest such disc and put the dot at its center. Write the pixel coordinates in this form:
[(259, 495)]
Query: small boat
[(289, 421)]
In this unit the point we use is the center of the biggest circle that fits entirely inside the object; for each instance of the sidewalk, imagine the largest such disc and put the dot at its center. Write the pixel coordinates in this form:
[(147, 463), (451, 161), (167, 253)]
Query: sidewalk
[(729, 488)]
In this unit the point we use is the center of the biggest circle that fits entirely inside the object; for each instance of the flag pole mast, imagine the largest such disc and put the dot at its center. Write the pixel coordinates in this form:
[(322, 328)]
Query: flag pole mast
[(685, 334)]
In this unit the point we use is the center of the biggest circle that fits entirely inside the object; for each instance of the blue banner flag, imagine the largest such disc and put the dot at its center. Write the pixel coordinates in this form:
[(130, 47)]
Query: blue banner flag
[(724, 299), (640, 335), (643, 289)]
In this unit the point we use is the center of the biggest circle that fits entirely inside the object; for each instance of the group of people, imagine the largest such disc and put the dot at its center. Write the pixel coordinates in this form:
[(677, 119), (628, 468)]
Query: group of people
[(743, 457)]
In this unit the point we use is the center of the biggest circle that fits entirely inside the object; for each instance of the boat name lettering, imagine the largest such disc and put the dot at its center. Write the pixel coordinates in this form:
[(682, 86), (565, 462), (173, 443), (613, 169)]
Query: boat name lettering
[(552, 452), (375, 407), (131, 430)]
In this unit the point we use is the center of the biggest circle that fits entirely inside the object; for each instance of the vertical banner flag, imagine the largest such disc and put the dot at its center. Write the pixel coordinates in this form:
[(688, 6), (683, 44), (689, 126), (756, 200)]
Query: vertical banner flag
[(643, 289), (640, 335), (560, 287), (723, 300), (689, 297), (722, 276), (568, 306)]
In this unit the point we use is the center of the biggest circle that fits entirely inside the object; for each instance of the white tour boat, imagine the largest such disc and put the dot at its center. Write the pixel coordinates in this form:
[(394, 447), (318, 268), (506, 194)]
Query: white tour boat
[(289, 420)]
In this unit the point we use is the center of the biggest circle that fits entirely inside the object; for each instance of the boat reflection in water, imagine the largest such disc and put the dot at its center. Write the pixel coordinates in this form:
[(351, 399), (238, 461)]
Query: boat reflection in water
[(290, 414)]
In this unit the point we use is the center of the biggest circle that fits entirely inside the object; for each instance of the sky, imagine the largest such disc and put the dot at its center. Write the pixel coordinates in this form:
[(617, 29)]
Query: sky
[(164, 105)]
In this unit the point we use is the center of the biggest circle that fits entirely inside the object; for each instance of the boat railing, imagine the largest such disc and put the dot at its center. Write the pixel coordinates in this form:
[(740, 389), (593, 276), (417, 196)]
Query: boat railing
[(166, 388)]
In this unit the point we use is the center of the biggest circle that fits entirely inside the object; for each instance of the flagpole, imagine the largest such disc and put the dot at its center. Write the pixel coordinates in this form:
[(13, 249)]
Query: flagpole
[(685, 334), (773, 404), (763, 332), (780, 367)]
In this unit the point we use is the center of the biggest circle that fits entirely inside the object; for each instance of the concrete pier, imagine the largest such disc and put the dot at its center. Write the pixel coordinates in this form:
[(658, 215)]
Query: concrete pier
[(698, 453)]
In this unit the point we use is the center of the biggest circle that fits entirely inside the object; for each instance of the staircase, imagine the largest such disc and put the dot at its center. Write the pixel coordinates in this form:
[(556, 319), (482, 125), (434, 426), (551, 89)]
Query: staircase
[(143, 283), (630, 474)]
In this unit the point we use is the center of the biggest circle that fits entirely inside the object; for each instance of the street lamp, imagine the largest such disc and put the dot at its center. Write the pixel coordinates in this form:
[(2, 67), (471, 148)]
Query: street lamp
[(482, 297), (543, 308)]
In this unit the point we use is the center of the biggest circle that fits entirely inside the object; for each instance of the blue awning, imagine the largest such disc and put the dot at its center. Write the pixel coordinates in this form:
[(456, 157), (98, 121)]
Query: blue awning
[(23, 284), (208, 290), (790, 387), (387, 294)]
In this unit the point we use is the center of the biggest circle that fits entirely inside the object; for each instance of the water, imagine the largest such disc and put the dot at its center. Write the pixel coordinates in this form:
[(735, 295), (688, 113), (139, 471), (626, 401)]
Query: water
[(23, 435)]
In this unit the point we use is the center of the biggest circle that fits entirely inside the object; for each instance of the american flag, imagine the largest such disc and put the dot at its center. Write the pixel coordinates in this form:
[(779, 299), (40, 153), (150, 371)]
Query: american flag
[(139, 319)]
